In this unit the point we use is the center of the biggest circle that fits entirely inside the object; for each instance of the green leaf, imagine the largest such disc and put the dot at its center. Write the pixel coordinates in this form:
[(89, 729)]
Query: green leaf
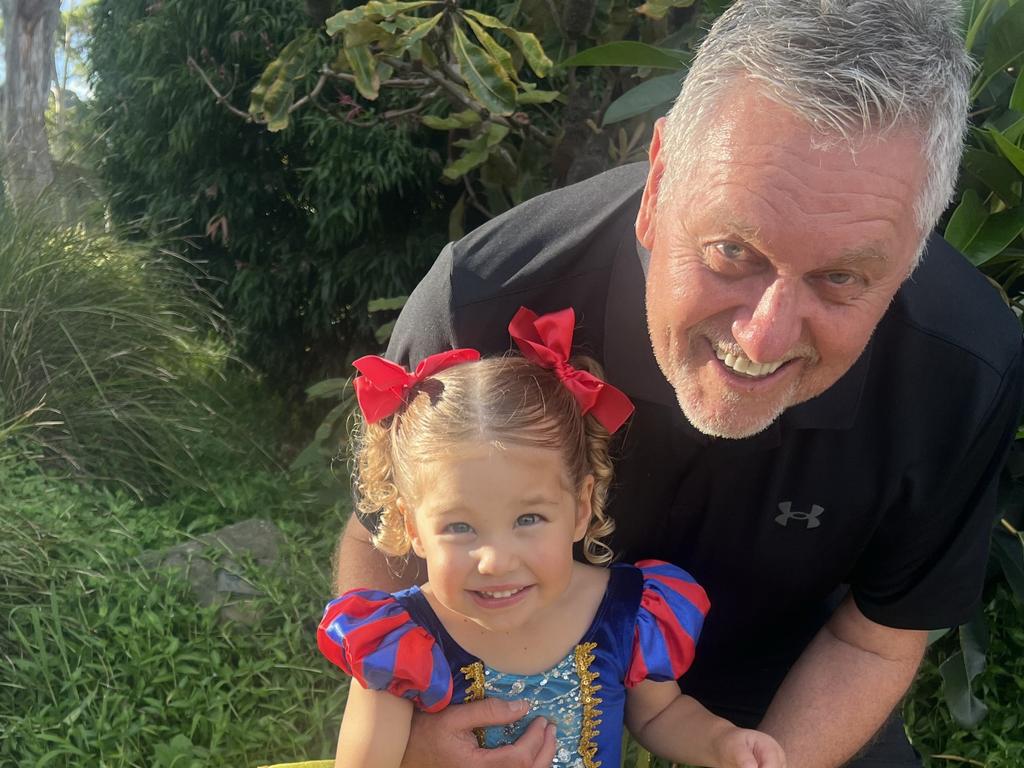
[(627, 53), (995, 172), (274, 94), (466, 162), (1017, 97), (454, 121), (383, 333), (1009, 150), (966, 221), (327, 388), (390, 304), (485, 78), (937, 634), (998, 231), (364, 33), (500, 55), (477, 150), (1008, 549), (364, 66), (372, 11), (537, 97), (960, 669), (490, 137), (643, 98), (1004, 46), (656, 9), (457, 219), (418, 32), (527, 42)]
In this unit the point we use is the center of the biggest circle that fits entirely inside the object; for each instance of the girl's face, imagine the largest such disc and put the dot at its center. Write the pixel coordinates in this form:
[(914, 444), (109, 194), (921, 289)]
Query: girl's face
[(496, 524)]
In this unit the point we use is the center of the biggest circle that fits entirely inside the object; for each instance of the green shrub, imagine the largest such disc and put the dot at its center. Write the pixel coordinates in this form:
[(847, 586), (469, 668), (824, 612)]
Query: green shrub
[(299, 227), (103, 363)]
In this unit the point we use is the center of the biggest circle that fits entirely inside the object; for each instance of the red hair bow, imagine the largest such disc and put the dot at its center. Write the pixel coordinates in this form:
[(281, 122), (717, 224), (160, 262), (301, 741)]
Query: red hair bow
[(382, 386), (547, 341)]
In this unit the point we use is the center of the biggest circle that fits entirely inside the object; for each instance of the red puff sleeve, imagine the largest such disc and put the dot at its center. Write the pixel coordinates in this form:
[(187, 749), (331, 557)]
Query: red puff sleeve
[(371, 636), (668, 623)]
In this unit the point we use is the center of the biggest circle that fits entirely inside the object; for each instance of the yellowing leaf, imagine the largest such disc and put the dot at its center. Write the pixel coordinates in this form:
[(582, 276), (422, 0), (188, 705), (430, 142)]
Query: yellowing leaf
[(527, 42), (485, 78)]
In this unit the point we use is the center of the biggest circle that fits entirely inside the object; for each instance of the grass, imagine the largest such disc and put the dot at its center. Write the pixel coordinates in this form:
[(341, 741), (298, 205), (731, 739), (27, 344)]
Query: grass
[(105, 359), (105, 664)]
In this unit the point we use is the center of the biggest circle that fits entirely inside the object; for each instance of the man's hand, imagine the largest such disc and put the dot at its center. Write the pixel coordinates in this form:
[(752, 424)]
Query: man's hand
[(446, 739), (743, 748)]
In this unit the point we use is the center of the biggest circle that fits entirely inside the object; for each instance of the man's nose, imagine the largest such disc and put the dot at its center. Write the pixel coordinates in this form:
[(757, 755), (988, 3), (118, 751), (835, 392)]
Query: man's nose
[(768, 331)]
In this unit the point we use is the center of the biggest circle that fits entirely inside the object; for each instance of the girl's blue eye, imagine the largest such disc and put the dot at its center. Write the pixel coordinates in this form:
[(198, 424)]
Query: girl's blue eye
[(457, 528), (531, 518)]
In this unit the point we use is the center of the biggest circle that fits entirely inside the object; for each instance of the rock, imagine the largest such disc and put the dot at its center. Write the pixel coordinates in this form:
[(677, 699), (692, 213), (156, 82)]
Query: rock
[(211, 563)]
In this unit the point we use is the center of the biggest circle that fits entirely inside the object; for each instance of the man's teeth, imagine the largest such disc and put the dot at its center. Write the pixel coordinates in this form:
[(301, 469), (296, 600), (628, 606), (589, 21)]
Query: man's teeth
[(499, 595), (744, 365)]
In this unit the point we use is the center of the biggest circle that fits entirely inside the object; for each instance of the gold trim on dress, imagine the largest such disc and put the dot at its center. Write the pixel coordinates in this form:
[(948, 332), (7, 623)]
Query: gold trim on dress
[(475, 690), (588, 731)]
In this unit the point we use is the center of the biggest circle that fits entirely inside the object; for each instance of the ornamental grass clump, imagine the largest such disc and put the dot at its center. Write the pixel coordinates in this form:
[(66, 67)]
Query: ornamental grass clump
[(104, 353)]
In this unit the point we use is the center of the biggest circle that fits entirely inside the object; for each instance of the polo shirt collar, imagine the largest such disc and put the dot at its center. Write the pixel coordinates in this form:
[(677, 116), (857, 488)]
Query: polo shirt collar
[(630, 364)]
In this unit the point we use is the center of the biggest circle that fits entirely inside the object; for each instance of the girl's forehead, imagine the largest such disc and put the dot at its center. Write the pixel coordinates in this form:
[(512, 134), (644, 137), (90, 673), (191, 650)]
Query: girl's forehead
[(490, 466)]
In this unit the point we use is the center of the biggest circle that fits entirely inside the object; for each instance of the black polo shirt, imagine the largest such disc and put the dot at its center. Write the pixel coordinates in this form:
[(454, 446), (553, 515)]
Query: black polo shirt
[(886, 482)]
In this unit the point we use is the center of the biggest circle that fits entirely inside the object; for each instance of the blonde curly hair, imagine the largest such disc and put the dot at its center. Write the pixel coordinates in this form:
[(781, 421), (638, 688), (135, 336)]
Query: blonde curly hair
[(502, 399)]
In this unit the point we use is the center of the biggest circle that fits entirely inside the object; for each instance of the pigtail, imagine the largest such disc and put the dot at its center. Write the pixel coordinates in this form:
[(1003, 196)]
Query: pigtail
[(599, 463), (376, 488)]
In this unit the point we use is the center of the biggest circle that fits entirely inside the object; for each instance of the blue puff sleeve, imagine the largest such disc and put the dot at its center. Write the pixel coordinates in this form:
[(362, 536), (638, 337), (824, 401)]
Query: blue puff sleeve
[(371, 636), (668, 623)]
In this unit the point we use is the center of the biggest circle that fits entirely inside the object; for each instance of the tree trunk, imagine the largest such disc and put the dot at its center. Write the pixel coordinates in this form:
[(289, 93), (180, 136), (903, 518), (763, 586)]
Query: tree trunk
[(29, 28)]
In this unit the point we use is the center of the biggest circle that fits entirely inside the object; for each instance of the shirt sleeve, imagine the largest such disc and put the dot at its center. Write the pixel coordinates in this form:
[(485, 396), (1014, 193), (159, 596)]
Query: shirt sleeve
[(424, 325), (668, 623), (924, 568), (371, 636)]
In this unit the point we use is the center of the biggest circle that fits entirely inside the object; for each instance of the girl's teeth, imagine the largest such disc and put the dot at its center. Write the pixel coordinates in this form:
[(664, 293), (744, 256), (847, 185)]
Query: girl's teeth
[(504, 593)]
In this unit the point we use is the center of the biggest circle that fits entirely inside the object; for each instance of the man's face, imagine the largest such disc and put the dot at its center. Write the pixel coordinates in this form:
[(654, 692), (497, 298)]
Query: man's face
[(772, 266)]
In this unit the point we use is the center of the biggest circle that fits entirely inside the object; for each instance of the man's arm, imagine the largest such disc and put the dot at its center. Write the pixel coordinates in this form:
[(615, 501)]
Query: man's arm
[(358, 564), (842, 688)]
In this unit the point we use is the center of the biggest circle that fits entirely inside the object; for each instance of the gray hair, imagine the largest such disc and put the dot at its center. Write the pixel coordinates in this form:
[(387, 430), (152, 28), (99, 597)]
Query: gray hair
[(850, 68)]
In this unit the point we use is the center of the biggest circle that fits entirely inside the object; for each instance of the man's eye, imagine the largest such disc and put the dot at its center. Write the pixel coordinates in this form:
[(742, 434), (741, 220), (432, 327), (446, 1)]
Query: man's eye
[(839, 278), (458, 528), (731, 251), (531, 518)]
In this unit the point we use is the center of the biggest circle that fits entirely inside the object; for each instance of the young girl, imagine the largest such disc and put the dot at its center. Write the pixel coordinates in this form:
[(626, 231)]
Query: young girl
[(491, 470)]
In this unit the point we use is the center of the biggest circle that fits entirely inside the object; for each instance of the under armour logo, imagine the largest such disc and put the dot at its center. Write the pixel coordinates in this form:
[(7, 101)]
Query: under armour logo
[(788, 513)]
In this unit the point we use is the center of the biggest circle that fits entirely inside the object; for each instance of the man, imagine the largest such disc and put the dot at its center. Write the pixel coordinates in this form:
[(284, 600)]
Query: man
[(819, 425)]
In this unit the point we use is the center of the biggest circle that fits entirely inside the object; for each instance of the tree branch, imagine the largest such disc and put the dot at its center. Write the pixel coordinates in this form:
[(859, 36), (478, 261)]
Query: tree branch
[(221, 98)]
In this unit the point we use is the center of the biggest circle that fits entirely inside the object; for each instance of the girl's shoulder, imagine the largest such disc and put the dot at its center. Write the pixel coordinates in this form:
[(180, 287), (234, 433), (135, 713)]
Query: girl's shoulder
[(375, 637), (669, 620)]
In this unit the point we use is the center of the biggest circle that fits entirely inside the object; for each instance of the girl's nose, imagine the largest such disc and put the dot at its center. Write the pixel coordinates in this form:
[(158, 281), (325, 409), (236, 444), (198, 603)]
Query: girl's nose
[(494, 559)]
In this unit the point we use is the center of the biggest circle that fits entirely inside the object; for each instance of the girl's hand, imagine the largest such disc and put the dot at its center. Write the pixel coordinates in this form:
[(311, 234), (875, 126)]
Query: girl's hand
[(744, 748)]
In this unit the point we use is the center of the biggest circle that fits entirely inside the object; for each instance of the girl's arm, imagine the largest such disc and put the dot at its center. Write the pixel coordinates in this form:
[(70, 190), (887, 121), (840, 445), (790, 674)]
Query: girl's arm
[(680, 729), (374, 730)]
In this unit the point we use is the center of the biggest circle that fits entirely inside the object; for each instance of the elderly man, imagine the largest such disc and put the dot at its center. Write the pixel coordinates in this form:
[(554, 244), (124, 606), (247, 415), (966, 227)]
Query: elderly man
[(820, 419)]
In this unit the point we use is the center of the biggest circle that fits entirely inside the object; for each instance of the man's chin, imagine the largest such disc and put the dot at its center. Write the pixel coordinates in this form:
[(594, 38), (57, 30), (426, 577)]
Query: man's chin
[(731, 425)]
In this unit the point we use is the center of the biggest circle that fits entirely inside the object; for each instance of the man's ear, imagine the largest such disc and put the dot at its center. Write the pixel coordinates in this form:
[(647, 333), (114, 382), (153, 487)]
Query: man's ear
[(645, 219), (584, 508), (410, 528)]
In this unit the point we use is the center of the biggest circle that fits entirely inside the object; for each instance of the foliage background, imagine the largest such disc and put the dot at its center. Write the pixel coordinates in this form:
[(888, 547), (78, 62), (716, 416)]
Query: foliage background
[(295, 231), (298, 228)]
